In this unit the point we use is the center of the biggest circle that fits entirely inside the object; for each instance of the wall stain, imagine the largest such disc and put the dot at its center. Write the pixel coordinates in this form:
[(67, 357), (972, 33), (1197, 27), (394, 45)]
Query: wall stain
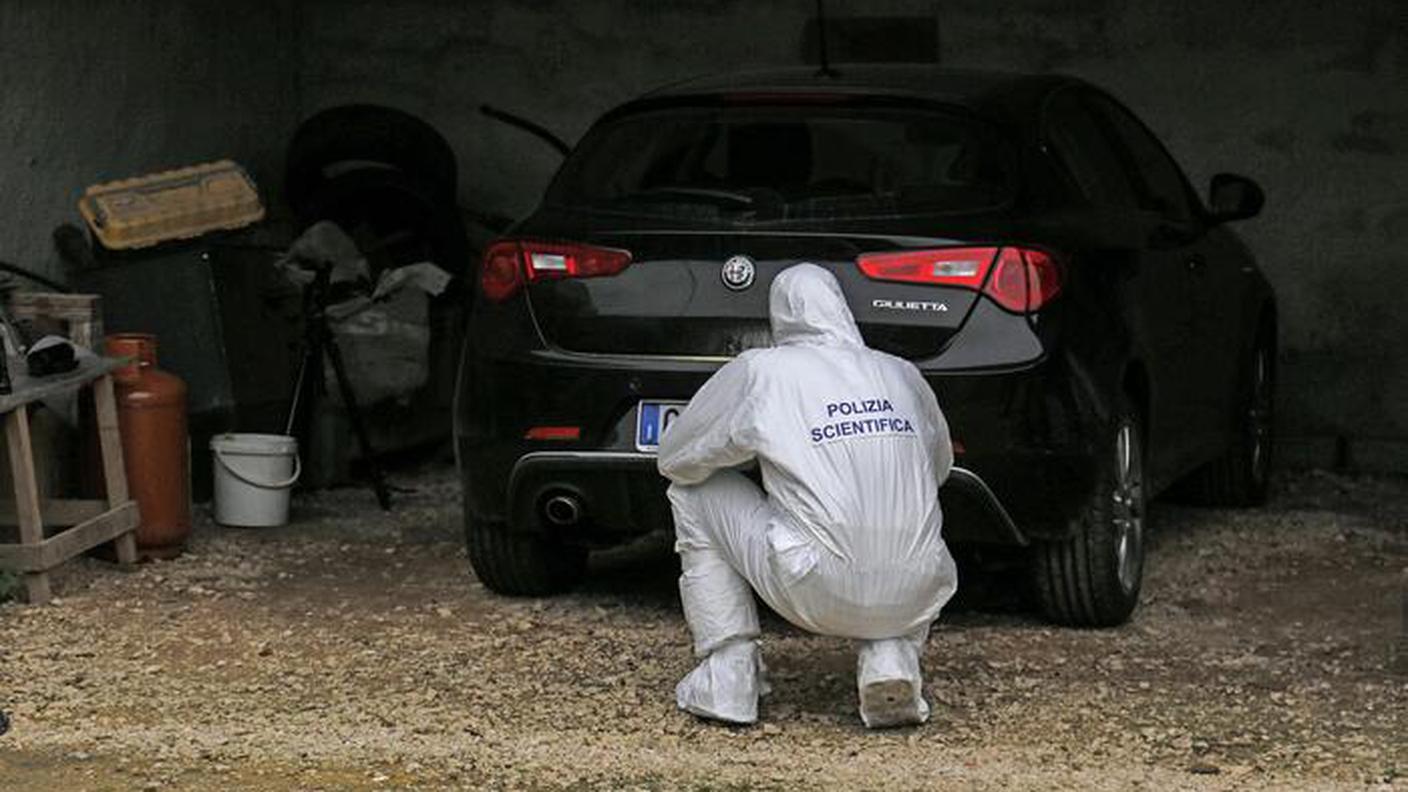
[(1356, 143), (1280, 139), (1363, 59), (1374, 132), (1394, 224)]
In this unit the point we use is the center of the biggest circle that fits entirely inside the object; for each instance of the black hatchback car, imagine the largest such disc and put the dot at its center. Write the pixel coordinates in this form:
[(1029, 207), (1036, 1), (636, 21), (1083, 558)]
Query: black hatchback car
[(1095, 333)]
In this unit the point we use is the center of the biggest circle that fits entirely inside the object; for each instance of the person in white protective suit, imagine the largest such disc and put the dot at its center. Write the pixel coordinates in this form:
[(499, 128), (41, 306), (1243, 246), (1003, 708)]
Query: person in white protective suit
[(852, 449)]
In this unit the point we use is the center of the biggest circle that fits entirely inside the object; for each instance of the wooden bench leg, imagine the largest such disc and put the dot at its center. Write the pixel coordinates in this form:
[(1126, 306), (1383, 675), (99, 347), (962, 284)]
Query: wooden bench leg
[(36, 588), (26, 496), (126, 549), (114, 473)]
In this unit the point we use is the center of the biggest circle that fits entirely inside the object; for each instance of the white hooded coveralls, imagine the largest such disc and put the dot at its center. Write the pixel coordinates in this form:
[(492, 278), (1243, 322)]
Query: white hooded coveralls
[(852, 449)]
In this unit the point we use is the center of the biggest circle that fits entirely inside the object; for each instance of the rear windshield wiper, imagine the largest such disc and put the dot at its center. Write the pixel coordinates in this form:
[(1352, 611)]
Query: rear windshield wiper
[(705, 193)]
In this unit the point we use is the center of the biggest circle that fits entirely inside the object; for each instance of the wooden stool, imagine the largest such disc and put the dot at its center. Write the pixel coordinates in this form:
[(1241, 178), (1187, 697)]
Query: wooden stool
[(89, 522), (82, 313)]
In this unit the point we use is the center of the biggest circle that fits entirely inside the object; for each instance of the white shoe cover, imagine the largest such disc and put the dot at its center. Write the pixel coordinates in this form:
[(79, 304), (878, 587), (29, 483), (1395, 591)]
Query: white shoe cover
[(724, 686), (890, 685)]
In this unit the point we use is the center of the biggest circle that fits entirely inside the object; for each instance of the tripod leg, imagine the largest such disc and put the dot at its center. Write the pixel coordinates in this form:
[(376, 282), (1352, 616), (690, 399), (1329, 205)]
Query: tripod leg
[(383, 495), (308, 390), (297, 399)]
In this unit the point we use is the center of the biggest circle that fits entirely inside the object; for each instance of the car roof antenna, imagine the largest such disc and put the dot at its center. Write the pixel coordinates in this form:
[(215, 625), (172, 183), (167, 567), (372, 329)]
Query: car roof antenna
[(825, 70)]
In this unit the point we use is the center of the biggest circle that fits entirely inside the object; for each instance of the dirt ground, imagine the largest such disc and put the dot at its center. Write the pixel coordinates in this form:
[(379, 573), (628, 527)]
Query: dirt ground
[(353, 650)]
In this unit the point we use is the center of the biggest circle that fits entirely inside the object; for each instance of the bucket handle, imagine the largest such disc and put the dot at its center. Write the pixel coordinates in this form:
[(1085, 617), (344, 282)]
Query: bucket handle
[(285, 484)]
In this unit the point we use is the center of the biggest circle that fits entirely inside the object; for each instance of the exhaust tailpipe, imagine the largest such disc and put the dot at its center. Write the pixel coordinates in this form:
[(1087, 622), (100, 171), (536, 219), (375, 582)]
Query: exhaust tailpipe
[(562, 510)]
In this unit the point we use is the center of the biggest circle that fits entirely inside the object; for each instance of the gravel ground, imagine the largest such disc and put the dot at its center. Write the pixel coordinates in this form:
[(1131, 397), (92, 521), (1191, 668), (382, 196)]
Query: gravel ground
[(353, 650)]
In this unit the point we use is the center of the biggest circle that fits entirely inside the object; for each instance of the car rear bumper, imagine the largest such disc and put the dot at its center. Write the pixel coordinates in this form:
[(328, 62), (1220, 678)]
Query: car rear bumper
[(1024, 468), (621, 495)]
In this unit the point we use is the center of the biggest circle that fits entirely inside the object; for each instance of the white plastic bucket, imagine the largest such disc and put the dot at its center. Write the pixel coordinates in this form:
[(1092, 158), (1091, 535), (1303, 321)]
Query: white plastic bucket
[(253, 475)]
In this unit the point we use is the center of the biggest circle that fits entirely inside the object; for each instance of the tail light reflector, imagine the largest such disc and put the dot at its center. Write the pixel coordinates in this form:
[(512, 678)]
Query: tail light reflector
[(511, 264), (554, 433), (943, 267), (1017, 278)]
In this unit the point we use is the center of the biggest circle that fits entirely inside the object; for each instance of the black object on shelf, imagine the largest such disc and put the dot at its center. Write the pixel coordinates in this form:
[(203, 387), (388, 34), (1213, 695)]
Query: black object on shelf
[(226, 322), (48, 357)]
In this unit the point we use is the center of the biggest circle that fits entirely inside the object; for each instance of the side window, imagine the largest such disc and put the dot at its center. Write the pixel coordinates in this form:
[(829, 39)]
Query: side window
[(1162, 188), (1082, 146)]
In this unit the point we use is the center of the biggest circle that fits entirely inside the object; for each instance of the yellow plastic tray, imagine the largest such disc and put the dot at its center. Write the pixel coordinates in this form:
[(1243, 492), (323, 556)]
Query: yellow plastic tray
[(175, 204)]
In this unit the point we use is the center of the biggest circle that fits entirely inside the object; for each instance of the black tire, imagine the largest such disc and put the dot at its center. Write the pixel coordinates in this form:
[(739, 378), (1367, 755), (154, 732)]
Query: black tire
[(366, 136), (522, 564), (1239, 477), (1092, 578)]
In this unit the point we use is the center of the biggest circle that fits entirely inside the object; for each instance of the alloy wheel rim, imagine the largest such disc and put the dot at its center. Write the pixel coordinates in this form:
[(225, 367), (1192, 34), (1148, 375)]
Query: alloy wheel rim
[(1128, 505)]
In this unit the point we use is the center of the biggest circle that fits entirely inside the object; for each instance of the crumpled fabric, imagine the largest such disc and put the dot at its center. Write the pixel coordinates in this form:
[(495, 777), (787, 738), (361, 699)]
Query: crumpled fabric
[(843, 538), (382, 329), (323, 244)]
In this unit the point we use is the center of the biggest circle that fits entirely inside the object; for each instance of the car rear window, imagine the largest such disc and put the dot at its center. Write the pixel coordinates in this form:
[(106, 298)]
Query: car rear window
[(787, 162)]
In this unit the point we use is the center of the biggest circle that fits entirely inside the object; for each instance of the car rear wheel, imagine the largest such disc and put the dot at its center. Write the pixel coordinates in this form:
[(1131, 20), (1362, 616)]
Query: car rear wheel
[(1239, 477), (522, 564), (1092, 578)]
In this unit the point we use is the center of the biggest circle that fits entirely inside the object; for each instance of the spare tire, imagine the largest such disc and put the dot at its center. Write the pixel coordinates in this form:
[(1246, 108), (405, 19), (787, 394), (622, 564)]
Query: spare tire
[(362, 136), (393, 219)]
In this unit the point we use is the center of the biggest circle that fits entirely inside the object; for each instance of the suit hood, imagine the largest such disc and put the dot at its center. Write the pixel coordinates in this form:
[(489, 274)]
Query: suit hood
[(807, 306)]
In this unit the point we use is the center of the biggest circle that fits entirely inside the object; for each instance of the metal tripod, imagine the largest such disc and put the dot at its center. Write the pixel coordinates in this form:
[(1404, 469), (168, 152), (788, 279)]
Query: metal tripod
[(319, 342)]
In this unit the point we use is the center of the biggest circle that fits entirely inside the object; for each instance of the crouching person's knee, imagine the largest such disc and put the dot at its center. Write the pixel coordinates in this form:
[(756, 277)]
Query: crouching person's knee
[(689, 534), (699, 507)]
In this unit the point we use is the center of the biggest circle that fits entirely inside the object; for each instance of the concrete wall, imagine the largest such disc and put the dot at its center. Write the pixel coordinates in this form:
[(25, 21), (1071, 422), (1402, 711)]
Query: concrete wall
[(95, 91), (1309, 98)]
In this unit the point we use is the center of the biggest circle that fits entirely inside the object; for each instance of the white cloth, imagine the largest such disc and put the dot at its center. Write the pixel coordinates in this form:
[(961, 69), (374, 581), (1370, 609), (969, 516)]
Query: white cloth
[(852, 449)]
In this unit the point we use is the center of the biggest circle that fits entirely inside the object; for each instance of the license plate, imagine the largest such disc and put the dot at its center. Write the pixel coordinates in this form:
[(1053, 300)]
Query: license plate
[(652, 419)]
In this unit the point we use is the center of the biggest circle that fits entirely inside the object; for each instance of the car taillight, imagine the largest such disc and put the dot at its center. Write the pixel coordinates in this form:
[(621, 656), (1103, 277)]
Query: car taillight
[(1017, 278), (510, 264), (501, 276), (941, 267)]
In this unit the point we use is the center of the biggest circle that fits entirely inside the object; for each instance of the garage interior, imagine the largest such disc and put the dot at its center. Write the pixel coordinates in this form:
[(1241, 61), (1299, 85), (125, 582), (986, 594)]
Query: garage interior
[(353, 649)]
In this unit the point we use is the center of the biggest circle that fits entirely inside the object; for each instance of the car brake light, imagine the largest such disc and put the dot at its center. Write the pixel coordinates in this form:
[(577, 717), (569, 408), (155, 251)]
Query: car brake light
[(1043, 277), (1017, 278), (500, 276), (511, 264)]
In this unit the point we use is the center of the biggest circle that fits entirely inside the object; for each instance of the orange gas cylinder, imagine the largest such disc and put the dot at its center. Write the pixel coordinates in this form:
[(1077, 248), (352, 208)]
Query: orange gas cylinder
[(151, 408)]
